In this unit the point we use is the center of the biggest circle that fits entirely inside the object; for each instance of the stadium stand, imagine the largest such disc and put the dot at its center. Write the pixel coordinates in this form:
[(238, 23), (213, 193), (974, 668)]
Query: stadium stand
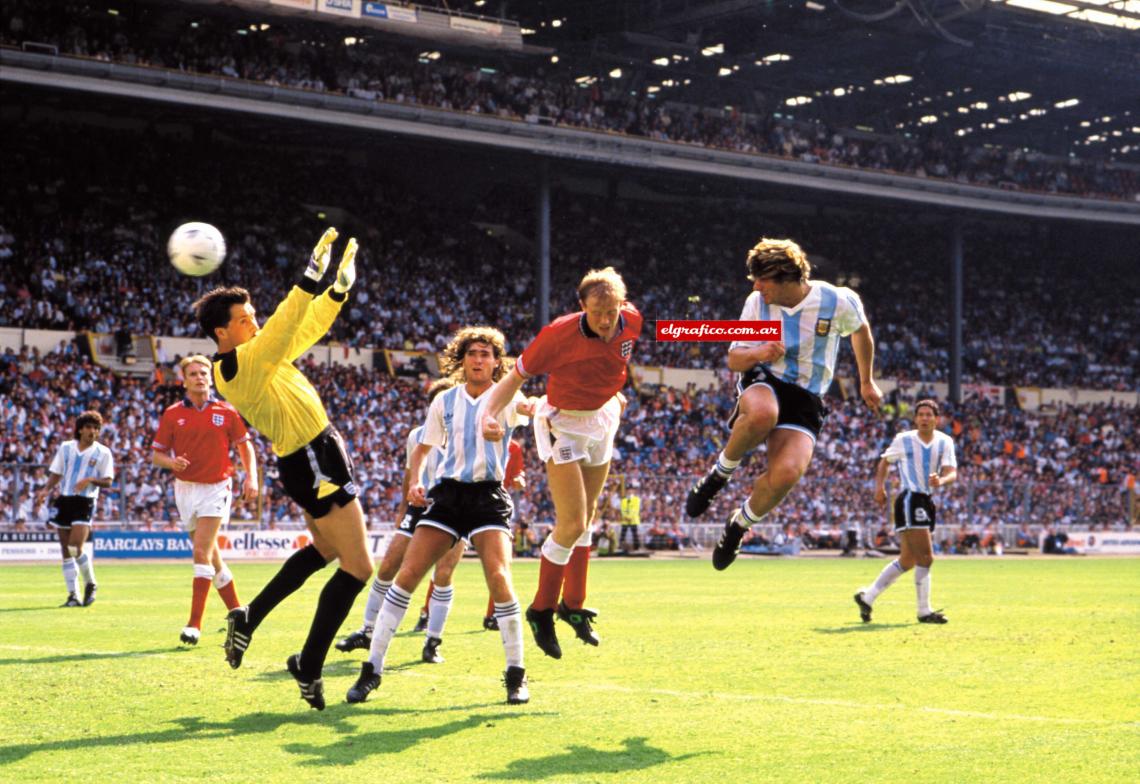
[(215, 43)]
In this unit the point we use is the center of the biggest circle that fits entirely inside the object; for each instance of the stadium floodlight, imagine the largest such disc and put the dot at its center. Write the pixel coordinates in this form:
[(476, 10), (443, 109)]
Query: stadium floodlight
[(661, 61), (928, 119), (556, 23), (839, 92), (980, 106), (798, 100), (1066, 104), (724, 71), (554, 58), (709, 51), (1019, 96), (898, 79), (615, 73)]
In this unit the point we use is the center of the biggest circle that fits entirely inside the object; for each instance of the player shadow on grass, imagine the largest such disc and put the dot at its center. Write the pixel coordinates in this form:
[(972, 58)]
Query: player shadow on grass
[(198, 728), (342, 667), (63, 658), (859, 627), (29, 609), (361, 745), (583, 760)]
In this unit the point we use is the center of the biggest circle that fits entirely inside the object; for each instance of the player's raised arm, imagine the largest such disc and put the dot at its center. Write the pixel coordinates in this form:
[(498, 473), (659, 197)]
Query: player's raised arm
[(290, 325), (324, 309)]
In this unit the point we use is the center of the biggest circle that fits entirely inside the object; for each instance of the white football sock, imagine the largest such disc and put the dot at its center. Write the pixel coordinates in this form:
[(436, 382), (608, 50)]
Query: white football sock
[(439, 605), (724, 466), (391, 614), (922, 589), (204, 570), (510, 629), (223, 577), (885, 580), (748, 518), (86, 568), (376, 595), (556, 553), (71, 575)]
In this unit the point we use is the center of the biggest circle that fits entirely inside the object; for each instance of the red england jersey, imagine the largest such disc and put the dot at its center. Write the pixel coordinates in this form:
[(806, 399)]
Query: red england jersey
[(203, 436), (584, 370), (514, 463)]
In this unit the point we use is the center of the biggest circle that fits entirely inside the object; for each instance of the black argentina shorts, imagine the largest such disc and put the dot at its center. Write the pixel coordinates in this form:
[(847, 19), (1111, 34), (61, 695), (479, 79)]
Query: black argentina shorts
[(70, 509), (407, 526), (319, 474), (464, 509), (798, 409), (913, 511)]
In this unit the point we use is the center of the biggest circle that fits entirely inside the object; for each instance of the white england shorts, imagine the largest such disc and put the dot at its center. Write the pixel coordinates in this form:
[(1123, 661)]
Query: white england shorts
[(195, 499), (570, 436)]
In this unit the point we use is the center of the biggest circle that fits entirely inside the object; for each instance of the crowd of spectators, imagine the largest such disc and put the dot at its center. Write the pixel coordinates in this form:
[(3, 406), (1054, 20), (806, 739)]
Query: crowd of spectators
[(1075, 465), (314, 56), (84, 213)]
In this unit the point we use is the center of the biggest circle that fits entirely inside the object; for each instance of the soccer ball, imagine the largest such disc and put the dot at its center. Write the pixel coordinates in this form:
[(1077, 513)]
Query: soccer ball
[(196, 249)]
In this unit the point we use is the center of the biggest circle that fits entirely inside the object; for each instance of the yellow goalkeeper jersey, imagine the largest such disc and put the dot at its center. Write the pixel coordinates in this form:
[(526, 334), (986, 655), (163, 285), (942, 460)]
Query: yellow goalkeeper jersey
[(258, 377)]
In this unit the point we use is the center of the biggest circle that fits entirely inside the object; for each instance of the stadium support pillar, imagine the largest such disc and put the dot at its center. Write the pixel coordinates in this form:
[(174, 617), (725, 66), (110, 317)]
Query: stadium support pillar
[(956, 312), (542, 241)]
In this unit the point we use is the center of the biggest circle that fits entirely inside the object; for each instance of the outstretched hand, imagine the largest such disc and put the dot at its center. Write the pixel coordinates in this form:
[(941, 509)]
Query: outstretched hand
[(346, 272), (319, 261)]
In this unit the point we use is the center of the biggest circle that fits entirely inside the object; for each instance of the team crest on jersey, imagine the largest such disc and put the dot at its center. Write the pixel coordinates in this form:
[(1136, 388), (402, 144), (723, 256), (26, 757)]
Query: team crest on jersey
[(217, 419), (822, 327), (92, 462), (565, 453), (626, 349)]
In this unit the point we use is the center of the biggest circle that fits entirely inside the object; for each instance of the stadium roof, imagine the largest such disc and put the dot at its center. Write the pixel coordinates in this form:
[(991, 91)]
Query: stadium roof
[(1059, 76)]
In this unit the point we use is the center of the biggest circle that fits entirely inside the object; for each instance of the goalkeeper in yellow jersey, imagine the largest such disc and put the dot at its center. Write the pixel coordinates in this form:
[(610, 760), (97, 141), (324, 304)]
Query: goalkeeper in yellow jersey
[(254, 371)]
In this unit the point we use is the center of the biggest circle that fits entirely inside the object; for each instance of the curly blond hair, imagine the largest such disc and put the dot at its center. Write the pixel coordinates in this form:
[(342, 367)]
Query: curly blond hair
[(780, 260), (603, 282), (451, 361)]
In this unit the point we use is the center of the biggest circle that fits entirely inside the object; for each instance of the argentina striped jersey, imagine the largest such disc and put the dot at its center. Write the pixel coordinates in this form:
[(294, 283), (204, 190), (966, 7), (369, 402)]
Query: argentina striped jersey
[(431, 463), (917, 461), (72, 465), (454, 423), (811, 332)]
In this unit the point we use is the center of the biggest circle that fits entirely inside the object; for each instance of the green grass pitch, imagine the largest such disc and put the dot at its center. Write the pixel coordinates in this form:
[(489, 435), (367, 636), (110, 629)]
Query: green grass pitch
[(760, 673)]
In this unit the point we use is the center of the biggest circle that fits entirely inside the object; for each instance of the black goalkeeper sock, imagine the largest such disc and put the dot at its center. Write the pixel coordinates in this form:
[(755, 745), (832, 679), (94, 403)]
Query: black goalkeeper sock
[(300, 566), (333, 607)]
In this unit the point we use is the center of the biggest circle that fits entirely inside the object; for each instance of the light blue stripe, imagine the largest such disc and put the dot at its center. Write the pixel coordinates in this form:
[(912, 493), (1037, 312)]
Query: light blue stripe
[(449, 416), (938, 460), (909, 480), (819, 356), (791, 349), (490, 458), (470, 420), (73, 473), (926, 453)]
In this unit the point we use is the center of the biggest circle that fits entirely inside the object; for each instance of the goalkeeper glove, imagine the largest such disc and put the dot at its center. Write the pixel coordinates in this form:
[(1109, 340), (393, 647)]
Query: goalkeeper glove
[(319, 261), (346, 272)]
